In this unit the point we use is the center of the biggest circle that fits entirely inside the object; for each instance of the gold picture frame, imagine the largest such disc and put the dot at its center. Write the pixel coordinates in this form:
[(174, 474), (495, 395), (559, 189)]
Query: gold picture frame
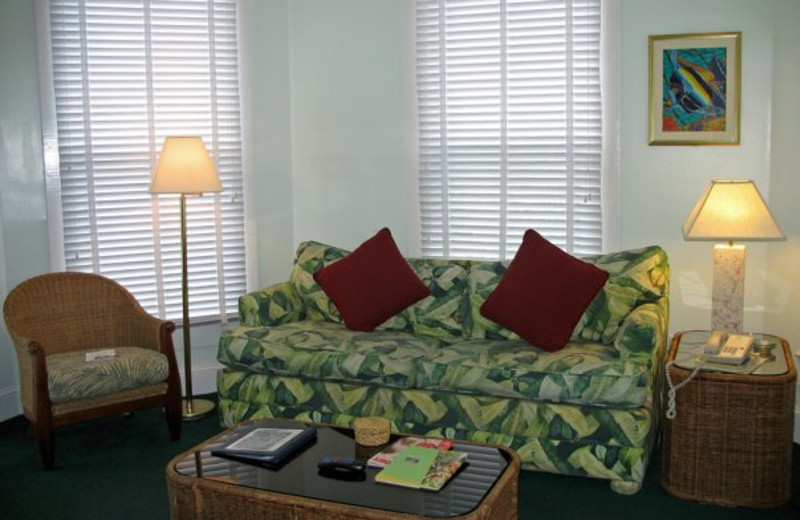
[(695, 88)]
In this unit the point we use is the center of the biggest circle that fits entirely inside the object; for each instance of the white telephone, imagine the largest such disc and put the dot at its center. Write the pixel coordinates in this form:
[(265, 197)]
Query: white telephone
[(730, 349), (721, 347)]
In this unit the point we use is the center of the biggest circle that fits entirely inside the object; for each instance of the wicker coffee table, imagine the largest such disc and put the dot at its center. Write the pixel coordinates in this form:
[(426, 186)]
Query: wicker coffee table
[(204, 487)]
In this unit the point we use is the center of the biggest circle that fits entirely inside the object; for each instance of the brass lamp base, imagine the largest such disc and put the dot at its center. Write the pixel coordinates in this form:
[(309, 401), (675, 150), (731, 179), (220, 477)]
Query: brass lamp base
[(194, 409)]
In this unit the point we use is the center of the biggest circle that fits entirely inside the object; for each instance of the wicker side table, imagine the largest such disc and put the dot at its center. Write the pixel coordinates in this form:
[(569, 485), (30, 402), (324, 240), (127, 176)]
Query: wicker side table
[(731, 440)]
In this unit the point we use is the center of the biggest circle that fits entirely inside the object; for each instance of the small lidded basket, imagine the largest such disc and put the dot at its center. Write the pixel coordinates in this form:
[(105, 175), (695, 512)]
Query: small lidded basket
[(371, 431)]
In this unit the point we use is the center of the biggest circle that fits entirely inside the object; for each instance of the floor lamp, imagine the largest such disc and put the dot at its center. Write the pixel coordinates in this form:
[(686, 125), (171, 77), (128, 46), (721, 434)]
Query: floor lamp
[(185, 168), (730, 210)]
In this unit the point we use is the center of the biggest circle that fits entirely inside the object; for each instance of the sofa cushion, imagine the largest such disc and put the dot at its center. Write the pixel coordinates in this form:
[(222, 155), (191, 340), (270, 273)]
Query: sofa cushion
[(311, 257), (636, 276), (372, 283), (70, 377), (247, 396), (438, 315), (543, 293), (324, 350), (483, 280), (583, 373)]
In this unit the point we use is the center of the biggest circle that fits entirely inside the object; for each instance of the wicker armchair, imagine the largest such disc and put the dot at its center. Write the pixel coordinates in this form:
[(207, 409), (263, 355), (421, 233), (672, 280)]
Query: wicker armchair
[(54, 320)]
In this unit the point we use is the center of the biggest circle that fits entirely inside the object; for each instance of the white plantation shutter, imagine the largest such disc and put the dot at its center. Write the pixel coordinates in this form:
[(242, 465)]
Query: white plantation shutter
[(509, 125), (126, 74)]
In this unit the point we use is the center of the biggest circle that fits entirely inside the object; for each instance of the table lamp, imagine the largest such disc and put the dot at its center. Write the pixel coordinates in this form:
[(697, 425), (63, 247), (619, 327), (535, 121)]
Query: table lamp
[(185, 168), (730, 210)]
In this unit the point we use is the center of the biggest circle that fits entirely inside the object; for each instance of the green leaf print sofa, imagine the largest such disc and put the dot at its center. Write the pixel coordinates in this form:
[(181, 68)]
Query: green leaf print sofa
[(439, 368)]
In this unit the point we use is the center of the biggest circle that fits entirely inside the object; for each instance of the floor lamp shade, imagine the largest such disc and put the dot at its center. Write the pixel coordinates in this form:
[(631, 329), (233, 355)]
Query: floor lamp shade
[(730, 210), (185, 168)]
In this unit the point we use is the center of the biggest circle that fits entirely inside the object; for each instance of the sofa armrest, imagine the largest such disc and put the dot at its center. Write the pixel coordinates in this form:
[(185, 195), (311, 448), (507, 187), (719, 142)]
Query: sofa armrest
[(274, 305), (643, 333)]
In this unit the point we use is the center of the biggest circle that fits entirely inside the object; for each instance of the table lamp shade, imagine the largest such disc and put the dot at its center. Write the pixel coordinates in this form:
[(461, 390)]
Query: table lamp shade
[(185, 167), (731, 210)]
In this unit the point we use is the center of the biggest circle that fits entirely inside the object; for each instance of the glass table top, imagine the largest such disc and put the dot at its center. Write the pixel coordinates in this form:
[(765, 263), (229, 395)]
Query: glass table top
[(766, 359), (462, 494)]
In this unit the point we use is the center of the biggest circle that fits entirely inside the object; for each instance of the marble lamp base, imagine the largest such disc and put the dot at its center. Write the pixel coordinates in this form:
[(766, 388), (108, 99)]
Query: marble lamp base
[(727, 297)]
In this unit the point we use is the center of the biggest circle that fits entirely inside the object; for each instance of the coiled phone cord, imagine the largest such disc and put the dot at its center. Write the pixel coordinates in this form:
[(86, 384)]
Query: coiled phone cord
[(673, 389)]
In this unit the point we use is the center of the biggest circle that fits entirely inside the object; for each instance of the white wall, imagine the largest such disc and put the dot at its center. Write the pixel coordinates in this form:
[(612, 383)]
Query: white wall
[(266, 90), (782, 313), (22, 203), (353, 120), (331, 123), (9, 384), (659, 184)]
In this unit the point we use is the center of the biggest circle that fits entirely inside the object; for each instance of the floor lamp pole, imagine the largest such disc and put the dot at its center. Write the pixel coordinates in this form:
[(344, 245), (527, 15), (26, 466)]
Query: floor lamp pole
[(193, 409)]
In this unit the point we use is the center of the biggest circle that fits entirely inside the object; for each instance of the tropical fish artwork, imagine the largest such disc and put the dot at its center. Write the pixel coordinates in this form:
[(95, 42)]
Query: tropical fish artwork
[(694, 87)]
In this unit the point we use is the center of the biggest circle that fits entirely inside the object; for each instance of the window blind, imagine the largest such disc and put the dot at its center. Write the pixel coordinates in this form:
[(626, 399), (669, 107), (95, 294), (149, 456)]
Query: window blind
[(509, 125), (127, 74)]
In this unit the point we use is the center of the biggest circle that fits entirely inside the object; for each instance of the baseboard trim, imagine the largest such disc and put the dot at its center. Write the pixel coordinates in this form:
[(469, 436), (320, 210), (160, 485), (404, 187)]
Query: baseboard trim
[(204, 379), (797, 425), (9, 403)]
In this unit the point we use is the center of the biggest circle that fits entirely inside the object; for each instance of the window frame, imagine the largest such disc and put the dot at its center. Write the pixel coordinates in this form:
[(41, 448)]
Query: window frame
[(231, 280), (436, 199)]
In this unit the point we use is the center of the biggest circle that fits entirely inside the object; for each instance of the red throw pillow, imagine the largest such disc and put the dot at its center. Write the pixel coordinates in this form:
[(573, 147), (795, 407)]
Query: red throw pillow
[(544, 292), (371, 284)]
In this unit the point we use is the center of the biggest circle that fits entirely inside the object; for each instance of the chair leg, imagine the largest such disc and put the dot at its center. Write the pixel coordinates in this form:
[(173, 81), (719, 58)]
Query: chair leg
[(46, 441), (173, 413)]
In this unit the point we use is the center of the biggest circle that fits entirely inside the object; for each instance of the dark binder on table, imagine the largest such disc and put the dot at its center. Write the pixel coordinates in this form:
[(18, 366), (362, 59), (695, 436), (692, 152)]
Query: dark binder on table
[(268, 447)]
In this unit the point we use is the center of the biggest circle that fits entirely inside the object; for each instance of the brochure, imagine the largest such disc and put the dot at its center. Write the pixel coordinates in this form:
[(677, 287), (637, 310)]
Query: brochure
[(268, 447), (409, 468), (384, 457), (422, 468)]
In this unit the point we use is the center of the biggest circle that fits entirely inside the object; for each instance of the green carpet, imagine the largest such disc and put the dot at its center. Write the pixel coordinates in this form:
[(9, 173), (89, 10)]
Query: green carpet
[(114, 468)]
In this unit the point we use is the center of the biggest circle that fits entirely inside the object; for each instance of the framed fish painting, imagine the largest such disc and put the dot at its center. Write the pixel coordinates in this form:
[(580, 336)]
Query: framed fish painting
[(695, 82)]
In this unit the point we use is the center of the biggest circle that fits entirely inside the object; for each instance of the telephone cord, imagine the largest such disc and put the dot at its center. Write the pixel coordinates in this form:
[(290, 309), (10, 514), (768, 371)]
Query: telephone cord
[(673, 389)]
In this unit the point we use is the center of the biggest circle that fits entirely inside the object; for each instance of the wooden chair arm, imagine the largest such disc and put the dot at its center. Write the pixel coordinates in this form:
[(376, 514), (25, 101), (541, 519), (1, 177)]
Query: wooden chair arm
[(32, 363)]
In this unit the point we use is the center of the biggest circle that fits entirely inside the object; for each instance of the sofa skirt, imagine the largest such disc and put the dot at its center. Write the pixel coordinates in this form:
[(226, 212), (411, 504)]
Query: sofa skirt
[(590, 441)]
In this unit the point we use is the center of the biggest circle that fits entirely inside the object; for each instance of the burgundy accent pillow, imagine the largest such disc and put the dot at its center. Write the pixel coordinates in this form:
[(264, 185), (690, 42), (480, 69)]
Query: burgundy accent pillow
[(371, 284), (544, 293)]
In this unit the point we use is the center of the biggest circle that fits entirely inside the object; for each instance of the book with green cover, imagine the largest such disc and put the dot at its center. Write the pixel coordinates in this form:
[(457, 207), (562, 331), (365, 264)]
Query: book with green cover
[(388, 454), (409, 468)]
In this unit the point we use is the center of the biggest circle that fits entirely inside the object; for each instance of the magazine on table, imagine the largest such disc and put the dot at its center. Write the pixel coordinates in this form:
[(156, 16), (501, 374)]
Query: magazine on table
[(446, 464), (388, 454), (422, 468), (267, 446)]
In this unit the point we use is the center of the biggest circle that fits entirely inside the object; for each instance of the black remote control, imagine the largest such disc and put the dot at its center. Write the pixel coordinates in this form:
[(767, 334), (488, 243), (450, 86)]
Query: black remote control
[(342, 468)]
